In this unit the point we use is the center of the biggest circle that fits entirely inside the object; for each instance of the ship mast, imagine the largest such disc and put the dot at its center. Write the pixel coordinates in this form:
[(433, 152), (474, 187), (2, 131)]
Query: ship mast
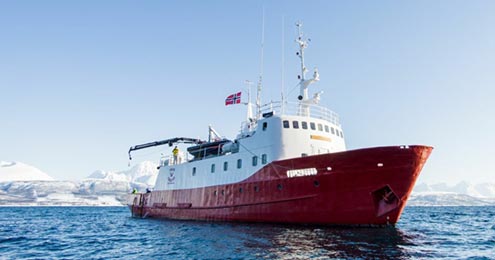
[(260, 81), (305, 101)]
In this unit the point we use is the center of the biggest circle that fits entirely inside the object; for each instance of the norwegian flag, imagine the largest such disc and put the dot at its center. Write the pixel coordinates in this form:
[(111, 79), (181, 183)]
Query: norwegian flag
[(233, 99)]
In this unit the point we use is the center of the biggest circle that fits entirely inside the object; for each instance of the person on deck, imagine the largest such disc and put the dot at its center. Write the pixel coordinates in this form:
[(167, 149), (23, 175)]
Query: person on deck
[(175, 153)]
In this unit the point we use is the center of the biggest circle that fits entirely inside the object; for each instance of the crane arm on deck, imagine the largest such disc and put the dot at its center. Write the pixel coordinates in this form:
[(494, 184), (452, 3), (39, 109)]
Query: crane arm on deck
[(170, 142)]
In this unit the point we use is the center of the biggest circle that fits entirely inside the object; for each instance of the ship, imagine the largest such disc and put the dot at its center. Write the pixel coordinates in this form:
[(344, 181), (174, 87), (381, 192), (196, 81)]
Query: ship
[(288, 164)]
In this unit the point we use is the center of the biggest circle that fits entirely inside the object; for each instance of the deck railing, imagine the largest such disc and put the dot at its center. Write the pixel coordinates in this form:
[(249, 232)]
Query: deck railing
[(300, 109)]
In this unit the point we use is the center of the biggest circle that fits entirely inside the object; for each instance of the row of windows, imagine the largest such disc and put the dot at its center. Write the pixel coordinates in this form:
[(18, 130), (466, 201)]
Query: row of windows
[(313, 126), (264, 160)]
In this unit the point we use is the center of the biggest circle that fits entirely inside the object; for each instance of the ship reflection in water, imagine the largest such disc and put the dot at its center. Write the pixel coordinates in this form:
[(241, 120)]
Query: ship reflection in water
[(307, 242)]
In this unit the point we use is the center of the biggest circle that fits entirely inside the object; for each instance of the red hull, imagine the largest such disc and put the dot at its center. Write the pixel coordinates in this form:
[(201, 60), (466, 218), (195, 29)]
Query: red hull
[(359, 187)]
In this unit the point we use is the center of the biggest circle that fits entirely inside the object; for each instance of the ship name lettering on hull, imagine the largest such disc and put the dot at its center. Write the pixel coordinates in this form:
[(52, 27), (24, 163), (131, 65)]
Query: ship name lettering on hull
[(301, 172)]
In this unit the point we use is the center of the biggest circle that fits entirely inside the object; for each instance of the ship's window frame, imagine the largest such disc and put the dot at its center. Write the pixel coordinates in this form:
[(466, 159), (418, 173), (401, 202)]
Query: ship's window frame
[(312, 125), (326, 129), (320, 127), (264, 158), (286, 124), (333, 130), (255, 160), (239, 163), (225, 166), (295, 124), (265, 125), (193, 171), (341, 134), (304, 125), (212, 168)]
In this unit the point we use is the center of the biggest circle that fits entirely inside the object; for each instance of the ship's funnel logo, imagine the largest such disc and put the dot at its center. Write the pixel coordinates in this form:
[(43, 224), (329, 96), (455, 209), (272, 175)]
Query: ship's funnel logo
[(171, 178)]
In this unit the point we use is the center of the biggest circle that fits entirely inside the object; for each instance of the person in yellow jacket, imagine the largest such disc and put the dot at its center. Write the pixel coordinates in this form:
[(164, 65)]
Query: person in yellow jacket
[(175, 153)]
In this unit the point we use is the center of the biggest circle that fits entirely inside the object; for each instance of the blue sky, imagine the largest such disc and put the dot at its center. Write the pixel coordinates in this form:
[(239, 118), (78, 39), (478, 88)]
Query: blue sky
[(81, 81)]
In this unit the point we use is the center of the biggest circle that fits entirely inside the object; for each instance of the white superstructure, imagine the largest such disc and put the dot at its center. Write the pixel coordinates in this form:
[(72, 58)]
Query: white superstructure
[(278, 131)]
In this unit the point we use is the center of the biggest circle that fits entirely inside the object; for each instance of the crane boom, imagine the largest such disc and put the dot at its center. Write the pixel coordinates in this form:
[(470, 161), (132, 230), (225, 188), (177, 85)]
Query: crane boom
[(170, 142)]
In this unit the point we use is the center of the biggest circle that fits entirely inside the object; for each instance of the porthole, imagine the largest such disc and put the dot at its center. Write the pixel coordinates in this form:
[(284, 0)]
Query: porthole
[(304, 125), (295, 124), (225, 166), (223, 192), (212, 168), (312, 125), (316, 183), (320, 127), (326, 129), (240, 190), (256, 188), (279, 187), (286, 123), (265, 125), (194, 171), (215, 193)]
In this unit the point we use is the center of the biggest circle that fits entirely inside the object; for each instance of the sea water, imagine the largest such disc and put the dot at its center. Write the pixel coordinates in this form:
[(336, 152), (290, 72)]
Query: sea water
[(110, 232)]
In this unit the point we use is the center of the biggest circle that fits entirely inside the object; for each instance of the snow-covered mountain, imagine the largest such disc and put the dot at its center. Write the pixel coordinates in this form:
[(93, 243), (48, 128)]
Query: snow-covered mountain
[(16, 171), (27, 186), (144, 173), (481, 190), (460, 194)]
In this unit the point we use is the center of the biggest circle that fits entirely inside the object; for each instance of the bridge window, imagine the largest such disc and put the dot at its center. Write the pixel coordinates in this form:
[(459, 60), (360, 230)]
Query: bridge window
[(326, 129), (295, 124), (239, 163), (265, 125), (341, 134), (312, 125), (255, 160), (286, 124), (212, 168), (333, 130), (225, 166), (264, 159), (320, 127), (194, 171), (304, 125)]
